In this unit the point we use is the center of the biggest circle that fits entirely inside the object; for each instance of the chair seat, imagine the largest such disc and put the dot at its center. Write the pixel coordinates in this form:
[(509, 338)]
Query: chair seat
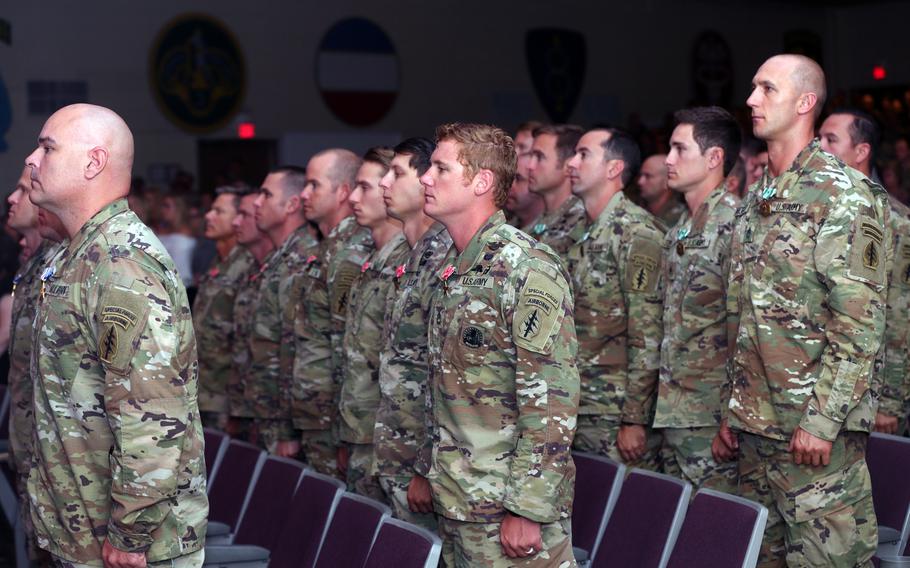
[(894, 562), (236, 555), (887, 534)]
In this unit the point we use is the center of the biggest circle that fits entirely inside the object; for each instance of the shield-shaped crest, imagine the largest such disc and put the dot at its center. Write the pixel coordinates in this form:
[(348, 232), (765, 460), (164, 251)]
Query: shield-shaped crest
[(557, 60)]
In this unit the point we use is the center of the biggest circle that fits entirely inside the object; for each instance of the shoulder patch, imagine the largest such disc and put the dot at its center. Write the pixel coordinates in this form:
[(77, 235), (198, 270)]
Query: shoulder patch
[(345, 276), (122, 320), (643, 267), (867, 251), (538, 313)]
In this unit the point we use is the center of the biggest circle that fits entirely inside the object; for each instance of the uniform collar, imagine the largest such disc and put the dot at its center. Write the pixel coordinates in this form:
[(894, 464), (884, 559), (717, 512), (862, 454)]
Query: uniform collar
[(704, 210), (789, 177), (94, 224), (478, 242)]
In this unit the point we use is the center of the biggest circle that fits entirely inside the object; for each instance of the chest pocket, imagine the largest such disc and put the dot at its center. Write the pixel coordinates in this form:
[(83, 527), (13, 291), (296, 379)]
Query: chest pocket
[(786, 252), (704, 280)]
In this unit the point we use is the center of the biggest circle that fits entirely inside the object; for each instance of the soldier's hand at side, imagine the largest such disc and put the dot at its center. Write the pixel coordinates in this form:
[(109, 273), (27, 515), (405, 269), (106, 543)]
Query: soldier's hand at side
[(288, 449), (808, 449), (342, 455), (420, 497), (520, 537), (115, 558), (724, 445), (631, 441), (886, 424)]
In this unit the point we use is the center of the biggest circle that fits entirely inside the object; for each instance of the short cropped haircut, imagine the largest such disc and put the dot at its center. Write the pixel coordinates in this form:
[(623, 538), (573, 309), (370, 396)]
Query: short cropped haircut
[(420, 150), (483, 147), (344, 166), (567, 137), (237, 191), (713, 127), (863, 129), (529, 125), (621, 146), (381, 155), (294, 179)]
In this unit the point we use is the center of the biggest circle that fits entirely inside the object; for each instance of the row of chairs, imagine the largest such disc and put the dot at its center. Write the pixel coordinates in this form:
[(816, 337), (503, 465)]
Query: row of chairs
[(646, 519), (271, 511)]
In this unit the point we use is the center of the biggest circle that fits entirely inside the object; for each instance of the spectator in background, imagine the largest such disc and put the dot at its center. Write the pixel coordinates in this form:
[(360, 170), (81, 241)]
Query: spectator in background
[(892, 181), (176, 234), (736, 181), (659, 200), (753, 151), (524, 137)]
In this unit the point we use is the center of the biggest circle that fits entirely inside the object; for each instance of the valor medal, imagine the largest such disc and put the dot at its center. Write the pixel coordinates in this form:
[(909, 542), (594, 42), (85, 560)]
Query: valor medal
[(766, 195), (680, 235), (764, 208), (680, 248)]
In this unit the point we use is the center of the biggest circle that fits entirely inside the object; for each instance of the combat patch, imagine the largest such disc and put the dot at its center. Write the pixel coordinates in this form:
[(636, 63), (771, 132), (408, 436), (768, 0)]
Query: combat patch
[(538, 314), (343, 280), (643, 268), (867, 261), (121, 316)]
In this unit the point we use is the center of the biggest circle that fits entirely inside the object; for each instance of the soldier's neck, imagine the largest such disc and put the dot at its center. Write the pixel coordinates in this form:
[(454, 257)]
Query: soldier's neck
[(224, 246), (463, 227), (657, 205), (415, 226), (698, 194), (281, 233), (384, 232), (597, 200), (261, 249), (338, 215), (531, 212), (554, 198), (782, 152)]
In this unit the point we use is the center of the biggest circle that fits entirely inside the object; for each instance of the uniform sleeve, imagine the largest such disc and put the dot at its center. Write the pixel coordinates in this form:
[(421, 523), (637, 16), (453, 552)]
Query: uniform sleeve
[(313, 390), (547, 391), (272, 401), (851, 260), (642, 287), (146, 346), (893, 376), (290, 296)]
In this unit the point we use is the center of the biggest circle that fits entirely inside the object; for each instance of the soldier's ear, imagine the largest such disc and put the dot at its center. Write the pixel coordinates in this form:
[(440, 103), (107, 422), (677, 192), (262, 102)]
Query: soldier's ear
[(344, 193), (715, 157), (807, 102), (483, 182), (615, 168), (863, 151), (293, 204), (97, 160)]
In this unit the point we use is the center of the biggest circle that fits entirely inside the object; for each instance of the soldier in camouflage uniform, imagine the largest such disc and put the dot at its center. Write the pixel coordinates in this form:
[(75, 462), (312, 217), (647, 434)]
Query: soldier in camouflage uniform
[(693, 354), (213, 308), (279, 213), (400, 432), (259, 247), (548, 177), (330, 179), (523, 206), (118, 474), (659, 200), (615, 267), (39, 242), (504, 383), (806, 299), (366, 314), (854, 136)]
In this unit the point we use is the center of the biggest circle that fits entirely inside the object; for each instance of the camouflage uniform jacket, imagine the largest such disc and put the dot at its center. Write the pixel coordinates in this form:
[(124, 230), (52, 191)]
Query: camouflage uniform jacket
[(213, 320), (671, 212), (270, 376), (245, 304), (400, 432), (693, 353), (315, 389), (367, 313), (615, 266), (504, 382), (894, 378), (118, 442), (26, 285), (806, 300), (554, 229)]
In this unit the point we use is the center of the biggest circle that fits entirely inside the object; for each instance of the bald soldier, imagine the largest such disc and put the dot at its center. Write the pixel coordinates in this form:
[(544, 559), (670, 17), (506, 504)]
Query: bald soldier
[(655, 192), (501, 344), (853, 136), (806, 313), (118, 476)]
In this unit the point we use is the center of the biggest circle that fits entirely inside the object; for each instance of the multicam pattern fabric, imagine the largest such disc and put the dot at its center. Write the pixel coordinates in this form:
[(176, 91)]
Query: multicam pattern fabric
[(270, 376), (806, 300), (693, 352), (400, 432), (554, 228), (367, 312), (504, 382), (893, 379), (315, 389), (213, 321), (671, 212), (245, 305), (615, 266), (118, 442)]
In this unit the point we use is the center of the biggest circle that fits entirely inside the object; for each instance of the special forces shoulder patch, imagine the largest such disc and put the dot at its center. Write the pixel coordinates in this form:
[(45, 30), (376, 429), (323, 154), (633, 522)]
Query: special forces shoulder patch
[(643, 267), (121, 317), (345, 276), (867, 251), (538, 314)]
